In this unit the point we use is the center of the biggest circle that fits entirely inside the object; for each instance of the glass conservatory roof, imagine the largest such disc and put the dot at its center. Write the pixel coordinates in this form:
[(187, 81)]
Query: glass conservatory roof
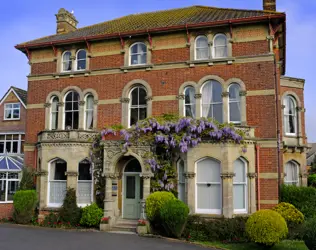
[(11, 162)]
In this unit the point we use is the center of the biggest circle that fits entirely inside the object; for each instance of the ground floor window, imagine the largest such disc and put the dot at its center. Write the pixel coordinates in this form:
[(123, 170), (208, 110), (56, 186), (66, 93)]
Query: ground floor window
[(240, 186), (9, 184), (181, 181), (84, 192), (57, 182), (291, 173)]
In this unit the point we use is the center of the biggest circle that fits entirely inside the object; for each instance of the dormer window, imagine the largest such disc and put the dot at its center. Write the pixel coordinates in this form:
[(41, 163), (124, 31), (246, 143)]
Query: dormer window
[(12, 111), (81, 59), (67, 61), (138, 54), (220, 46), (201, 48)]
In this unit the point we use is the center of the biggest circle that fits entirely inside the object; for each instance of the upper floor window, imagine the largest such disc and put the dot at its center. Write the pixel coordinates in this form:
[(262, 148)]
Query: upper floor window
[(189, 102), (220, 46), (291, 174), (138, 54), (11, 143), (12, 111), (234, 104), (212, 103), (66, 61), (290, 120), (72, 110), (81, 59), (54, 113), (138, 105), (201, 48), (89, 111)]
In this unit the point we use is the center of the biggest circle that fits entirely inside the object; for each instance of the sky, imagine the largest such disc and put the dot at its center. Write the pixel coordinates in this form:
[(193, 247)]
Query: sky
[(23, 20)]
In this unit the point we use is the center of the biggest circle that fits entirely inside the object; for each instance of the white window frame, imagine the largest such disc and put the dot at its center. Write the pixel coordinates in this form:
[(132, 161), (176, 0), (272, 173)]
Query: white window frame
[(63, 61), (12, 111), (245, 184), (130, 106), (86, 110), (55, 112), (286, 100), (72, 110), (208, 211), (7, 180), (292, 182), (196, 48), (212, 103), (12, 140), (188, 104), (179, 182), (138, 54), (234, 101), (76, 61), (85, 181), (219, 46)]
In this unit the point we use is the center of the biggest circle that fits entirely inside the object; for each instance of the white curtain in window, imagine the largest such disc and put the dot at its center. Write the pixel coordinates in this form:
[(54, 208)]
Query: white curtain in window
[(220, 46), (240, 187), (89, 111), (291, 174), (85, 183), (67, 62), (290, 115), (57, 182), (212, 104), (181, 181), (201, 48), (54, 113), (138, 54), (189, 102), (234, 104), (207, 94)]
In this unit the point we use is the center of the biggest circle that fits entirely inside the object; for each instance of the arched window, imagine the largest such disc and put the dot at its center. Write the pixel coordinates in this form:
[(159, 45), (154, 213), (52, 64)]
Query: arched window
[(54, 113), (138, 54), (189, 102), (220, 46), (138, 105), (81, 59), (67, 61), (290, 120), (208, 187), (291, 173), (212, 103), (201, 48), (240, 186), (57, 182), (89, 111), (234, 104), (85, 183), (72, 110), (181, 181)]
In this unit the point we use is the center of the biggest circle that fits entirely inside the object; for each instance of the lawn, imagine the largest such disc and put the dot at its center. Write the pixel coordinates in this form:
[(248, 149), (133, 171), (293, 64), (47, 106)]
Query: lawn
[(286, 244)]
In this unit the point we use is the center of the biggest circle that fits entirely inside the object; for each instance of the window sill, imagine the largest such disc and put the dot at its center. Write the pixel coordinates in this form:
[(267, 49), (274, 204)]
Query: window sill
[(72, 73), (211, 62), (6, 202), (10, 120), (129, 68)]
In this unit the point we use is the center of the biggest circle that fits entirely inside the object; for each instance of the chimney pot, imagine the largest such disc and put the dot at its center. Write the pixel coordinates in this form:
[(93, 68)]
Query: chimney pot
[(66, 21), (269, 5)]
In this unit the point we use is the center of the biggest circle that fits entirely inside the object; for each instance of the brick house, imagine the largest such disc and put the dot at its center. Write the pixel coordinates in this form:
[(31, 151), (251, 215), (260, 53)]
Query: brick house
[(12, 132), (196, 61)]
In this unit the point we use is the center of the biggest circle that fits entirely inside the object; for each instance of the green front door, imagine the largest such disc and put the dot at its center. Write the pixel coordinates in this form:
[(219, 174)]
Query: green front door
[(132, 196)]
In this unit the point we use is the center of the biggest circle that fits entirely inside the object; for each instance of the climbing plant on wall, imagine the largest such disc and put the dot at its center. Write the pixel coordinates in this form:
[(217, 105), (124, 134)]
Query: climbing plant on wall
[(169, 136)]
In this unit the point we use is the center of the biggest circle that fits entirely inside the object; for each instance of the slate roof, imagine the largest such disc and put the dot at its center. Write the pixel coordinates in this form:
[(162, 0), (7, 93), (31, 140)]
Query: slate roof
[(156, 20)]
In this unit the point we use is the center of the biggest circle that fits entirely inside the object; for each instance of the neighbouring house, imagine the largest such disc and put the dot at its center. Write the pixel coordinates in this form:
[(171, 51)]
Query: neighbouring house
[(197, 61), (310, 157), (12, 133)]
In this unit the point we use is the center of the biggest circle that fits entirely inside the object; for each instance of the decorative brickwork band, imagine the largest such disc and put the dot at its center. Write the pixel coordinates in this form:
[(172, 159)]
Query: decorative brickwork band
[(189, 175), (227, 175), (81, 103), (148, 98), (41, 173), (252, 175), (72, 174), (124, 100), (47, 105), (198, 96), (243, 93), (225, 94), (180, 97)]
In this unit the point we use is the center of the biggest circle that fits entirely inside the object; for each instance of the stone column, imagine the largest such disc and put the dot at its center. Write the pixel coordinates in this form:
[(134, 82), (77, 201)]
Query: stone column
[(228, 202), (190, 190), (72, 179), (304, 179), (47, 115), (243, 107), (61, 107), (198, 100), (95, 114), (252, 202), (225, 106), (81, 115), (108, 201), (146, 193), (125, 103), (180, 98), (41, 186)]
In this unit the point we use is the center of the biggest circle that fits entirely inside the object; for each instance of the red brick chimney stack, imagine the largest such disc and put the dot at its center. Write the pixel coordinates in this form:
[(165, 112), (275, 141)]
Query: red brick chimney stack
[(269, 5), (66, 21)]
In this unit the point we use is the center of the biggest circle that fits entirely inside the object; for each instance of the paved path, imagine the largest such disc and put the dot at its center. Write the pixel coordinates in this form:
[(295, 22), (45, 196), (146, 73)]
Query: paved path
[(14, 237)]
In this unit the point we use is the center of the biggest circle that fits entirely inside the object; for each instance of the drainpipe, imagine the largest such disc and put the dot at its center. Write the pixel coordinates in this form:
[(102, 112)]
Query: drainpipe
[(258, 173)]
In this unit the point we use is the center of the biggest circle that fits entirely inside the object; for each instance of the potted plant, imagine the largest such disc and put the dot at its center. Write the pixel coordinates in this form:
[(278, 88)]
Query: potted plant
[(105, 224), (142, 227)]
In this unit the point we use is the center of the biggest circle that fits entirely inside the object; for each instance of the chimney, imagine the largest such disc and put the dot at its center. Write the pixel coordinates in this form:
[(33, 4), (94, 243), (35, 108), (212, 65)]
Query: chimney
[(66, 21), (269, 5)]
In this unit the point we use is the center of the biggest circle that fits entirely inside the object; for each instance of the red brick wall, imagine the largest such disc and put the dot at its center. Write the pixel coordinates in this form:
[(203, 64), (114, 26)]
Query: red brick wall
[(250, 48), (268, 160), (111, 61), (6, 210), (43, 68), (170, 55)]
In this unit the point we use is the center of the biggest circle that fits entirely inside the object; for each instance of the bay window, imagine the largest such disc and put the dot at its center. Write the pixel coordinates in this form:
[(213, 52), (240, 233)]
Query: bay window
[(84, 191), (240, 186), (57, 182), (72, 110)]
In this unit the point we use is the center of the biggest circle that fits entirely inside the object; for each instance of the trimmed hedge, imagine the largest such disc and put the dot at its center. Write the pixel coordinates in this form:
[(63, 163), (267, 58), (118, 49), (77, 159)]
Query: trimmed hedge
[(289, 212), (303, 198), (310, 234), (91, 215), (70, 213), (24, 202), (266, 227)]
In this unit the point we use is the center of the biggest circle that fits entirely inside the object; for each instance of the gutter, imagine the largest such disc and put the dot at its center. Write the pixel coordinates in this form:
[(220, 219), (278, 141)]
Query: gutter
[(142, 32)]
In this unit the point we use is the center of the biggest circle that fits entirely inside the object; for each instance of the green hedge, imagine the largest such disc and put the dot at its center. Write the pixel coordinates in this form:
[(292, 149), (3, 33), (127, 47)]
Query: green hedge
[(303, 198), (24, 203), (310, 234)]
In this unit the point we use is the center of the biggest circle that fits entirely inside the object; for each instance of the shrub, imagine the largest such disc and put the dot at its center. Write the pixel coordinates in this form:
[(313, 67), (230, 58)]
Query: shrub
[(303, 198), (310, 234), (230, 230), (312, 180), (24, 203), (51, 220), (91, 215), (27, 181), (290, 213), (174, 215), (154, 203), (266, 227), (70, 213)]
